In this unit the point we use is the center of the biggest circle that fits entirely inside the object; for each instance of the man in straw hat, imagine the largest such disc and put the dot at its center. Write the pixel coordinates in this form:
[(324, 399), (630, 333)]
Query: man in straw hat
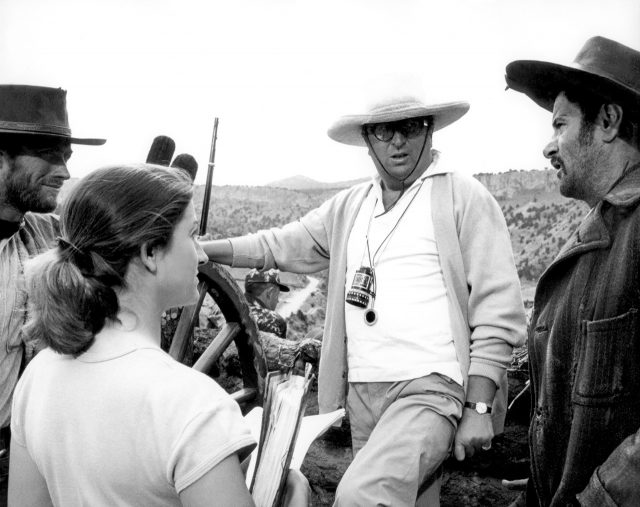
[(423, 304), (35, 145), (584, 339)]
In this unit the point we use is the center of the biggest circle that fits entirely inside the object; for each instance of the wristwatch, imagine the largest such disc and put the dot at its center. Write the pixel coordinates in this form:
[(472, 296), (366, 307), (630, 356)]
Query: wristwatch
[(480, 407)]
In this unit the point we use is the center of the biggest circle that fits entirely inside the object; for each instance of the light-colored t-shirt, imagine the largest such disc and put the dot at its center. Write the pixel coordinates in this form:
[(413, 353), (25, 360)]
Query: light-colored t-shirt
[(123, 424), (412, 336)]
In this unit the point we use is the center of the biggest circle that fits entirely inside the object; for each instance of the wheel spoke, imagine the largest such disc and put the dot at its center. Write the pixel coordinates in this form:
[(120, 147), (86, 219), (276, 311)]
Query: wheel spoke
[(219, 344), (188, 320), (245, 394)]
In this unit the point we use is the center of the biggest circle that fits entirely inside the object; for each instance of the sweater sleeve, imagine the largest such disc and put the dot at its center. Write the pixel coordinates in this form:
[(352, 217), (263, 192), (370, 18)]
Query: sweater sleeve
[(298, 247), (495, 308)]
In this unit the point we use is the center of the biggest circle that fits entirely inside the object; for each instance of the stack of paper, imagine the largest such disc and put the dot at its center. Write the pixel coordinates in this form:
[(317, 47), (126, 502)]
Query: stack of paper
[(282, 420)]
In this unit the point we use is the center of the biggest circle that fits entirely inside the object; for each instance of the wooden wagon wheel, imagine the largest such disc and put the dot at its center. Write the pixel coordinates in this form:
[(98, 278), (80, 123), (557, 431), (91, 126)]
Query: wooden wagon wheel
[(239, 328)]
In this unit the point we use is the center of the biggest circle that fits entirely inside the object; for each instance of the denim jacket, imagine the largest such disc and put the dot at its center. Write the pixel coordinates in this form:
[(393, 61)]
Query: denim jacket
[(584, 349)]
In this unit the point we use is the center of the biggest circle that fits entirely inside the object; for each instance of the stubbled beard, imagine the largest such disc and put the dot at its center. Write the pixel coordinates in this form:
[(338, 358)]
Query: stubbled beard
[(25, 198), (585, 134)]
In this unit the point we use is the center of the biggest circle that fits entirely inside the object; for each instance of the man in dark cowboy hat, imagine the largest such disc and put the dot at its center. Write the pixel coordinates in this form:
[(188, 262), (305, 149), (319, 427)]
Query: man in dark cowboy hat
[(584, 335), (262, 290), (423, 304), (35, 144)]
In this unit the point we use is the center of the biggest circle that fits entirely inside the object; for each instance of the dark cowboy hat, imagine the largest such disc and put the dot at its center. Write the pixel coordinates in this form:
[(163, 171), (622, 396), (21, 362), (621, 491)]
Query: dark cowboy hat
[(268, 276), (348, 129), (36, 110), (603, 66)]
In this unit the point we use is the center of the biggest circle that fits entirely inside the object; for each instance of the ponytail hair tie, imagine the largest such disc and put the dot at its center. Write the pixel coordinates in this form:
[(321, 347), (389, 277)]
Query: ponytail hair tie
[(71, 252), (67, 246)]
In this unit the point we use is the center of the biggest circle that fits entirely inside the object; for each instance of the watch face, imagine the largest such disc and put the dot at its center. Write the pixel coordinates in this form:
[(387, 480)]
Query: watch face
[(481, 408)]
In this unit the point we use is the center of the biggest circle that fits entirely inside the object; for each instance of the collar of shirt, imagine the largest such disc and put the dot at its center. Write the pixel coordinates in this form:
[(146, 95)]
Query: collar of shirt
[(8, 229), (112, 345)]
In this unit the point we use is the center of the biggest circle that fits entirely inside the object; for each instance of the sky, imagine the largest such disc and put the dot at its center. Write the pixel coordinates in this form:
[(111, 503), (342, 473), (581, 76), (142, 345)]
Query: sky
[(277, 73)]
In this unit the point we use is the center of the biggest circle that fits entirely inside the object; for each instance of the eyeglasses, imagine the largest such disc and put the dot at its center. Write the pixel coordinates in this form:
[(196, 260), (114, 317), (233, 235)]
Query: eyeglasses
[(384, 132)]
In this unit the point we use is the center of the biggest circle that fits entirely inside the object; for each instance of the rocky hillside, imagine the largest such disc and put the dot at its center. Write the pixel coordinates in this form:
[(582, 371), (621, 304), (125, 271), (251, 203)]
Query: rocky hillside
[(237, 210), (538, 231), (540, 220), (520, 184)]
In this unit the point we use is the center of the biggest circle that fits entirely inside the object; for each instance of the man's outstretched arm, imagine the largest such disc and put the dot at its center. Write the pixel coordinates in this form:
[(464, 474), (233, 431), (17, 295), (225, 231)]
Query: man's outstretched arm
[(218, 250)]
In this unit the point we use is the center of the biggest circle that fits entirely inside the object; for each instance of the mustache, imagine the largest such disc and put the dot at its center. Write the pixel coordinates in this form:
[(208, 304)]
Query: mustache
[(55, 182), (556, 162)]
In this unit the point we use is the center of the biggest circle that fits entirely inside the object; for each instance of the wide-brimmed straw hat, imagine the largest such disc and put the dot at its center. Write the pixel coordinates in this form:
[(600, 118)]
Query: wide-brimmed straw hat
[(603, 66), (38, 111), (348, 129)]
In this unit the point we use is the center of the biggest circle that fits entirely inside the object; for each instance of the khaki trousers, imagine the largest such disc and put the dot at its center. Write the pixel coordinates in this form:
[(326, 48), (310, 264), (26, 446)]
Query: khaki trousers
[(401, 434)]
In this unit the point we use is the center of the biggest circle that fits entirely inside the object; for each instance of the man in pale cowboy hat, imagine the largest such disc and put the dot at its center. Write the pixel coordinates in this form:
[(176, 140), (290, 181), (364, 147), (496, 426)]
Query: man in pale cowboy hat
[(262, 290), (584, 335), (423, 304), (35, 144)]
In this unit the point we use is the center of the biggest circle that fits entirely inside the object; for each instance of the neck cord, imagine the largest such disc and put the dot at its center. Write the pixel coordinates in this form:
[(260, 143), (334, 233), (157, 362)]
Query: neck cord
[(387, 238), (367, 287)]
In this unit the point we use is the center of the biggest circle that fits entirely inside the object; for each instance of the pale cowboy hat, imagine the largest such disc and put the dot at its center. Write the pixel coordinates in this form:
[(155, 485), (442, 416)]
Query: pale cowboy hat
[(37, 111), (348, 129), (603, 66)]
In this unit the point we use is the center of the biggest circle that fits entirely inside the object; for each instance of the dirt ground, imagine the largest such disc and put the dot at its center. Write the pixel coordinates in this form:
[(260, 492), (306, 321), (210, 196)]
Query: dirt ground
[(475, 482)]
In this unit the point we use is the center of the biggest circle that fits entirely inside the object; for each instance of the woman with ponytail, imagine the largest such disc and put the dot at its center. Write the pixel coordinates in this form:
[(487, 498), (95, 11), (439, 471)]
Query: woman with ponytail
[(102, 416)]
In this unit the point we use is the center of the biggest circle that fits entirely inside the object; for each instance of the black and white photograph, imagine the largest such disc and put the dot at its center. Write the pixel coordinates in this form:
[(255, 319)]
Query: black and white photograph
[(339, 253)]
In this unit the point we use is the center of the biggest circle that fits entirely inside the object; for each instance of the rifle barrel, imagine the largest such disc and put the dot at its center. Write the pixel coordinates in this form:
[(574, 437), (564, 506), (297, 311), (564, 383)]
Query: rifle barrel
[(207, 189)]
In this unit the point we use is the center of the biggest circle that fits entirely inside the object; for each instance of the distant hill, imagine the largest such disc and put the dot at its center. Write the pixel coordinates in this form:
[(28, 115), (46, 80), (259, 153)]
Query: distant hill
[(305, 183), (508, 185), (521, 185)]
